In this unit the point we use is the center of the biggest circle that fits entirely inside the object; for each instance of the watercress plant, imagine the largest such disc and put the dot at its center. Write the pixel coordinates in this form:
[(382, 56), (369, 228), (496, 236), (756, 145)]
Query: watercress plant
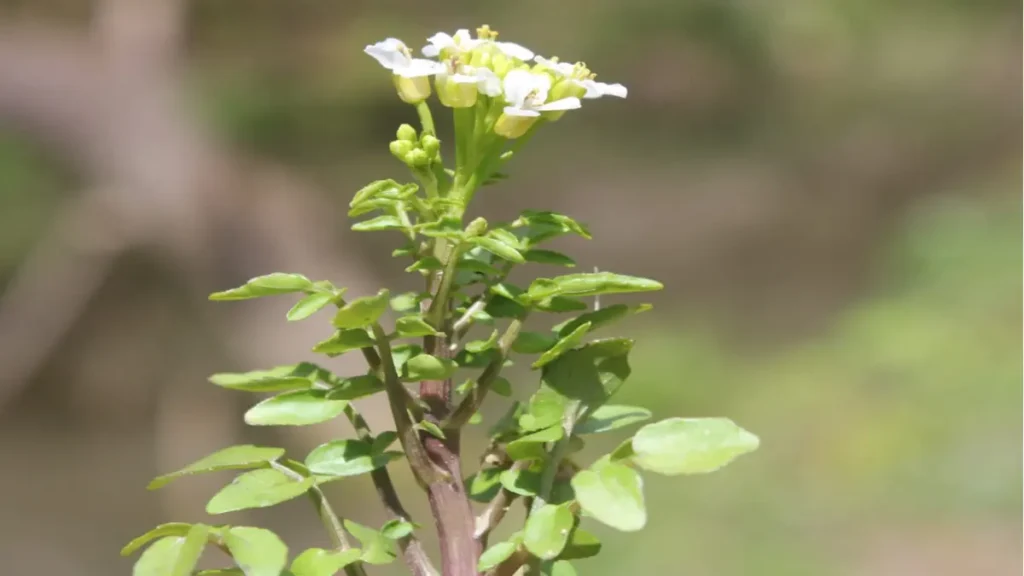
[(499, 95)]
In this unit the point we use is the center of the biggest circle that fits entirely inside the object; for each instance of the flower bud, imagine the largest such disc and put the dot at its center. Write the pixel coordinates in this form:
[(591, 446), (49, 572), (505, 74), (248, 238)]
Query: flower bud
[(501, 64), (407, 133), (476, 227), (417, 157), (513, 126), (431, 145), (399, 148), (412, 90), (455, 94)]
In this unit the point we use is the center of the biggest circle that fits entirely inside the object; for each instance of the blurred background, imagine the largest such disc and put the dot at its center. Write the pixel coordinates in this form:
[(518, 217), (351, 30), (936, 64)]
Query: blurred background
[(831, 191)]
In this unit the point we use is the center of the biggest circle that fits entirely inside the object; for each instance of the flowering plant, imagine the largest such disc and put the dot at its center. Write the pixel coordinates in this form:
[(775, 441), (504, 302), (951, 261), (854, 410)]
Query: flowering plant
[(500, 95)]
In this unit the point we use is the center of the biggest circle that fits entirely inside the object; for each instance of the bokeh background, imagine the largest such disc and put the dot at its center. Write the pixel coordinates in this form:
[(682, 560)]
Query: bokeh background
[(829, 189)]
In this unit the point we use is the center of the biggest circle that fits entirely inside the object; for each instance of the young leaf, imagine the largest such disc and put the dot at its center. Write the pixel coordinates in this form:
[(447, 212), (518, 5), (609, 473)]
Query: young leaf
[(343, 341), (362, 312), (690, 445), (501, 387), (548, 257), (413, 326), (563, 345), (498, 248), (613, 494), (191, 549), (582, 544), (561, 222), (372, 190), (385, 222), (533, 343), (479, 346), (293, 377), (427, 367), (347, 458), (396, 529), (559, 304), (356, 387), (531, 446), (599, 318), (160, 558), (169, 529), (430, 428), (495, 555), (258, 552), (295, 409), (376, 548), (320, 562), (269, 285), (589, 284), (610, 417), (484, 485), (547, 531), (257, 489), (231, 458), (309, 305), (426, 263), (406, 302)]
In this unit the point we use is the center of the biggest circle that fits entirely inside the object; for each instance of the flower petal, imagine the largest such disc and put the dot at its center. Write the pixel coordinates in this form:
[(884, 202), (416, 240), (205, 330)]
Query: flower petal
[(390, 53), (514, 50), (488, 82), (438, 42), (522, 112), (570, 103), (598, 89), (560, 68), (418, 67)]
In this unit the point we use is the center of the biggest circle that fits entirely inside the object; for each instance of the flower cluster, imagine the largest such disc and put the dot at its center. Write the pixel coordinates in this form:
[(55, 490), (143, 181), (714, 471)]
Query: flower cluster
[(511, 86)]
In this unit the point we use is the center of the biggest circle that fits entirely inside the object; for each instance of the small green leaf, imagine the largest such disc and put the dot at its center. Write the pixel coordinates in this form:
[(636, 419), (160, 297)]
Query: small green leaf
[(160, 558), (413, 326), (545, 409), (561, 568), (476, 418), (547, 531), (599, 318), (501, 386), (269, 285), (384, 222), (292, 377), (563, 345), (258, 552), (191, 549), (362, 312), (521, 482), (347, 458), (531, 446), (427, 367), (295, 409), (377, 549), (612, 494), (590, 374), (559, 304), (507, 290), (561, 222), (495, 555), (169, 529), (257, 489), (430, 428), (548, 257), (231, 458), (396, 529), (610, 417), (502, 235), (582, 544), (446, 227), (622, 451), (498, 248), (355, 387), (427, 263), (402, 353), (320, 562), (478, 346), (484, 485), (533, 342), (406, 302), (383, 440), (690, 445), (372, 190), (309, 305), (589, 284), (343, 341)]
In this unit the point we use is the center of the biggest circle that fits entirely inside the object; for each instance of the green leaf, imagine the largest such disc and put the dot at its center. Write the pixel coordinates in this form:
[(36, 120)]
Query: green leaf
[(413, 326), (426, 263), (292, 377), (495, 555), (546, 408), (355, 387), (383, 440), (427, 367), (384, 222), (599, 318), (547, 531), (430, 428), (531, 446), (612, 494), (590, 374), (191, 549), (589, 284), (561, 222), (295, 409), (690, 445), (507, 290), (257, 489), (484, 485), (548, 257), (396, 529), (610, 417), (343, 341), (478, 346), (501, 386), (563, 346), (402, 353), (362, 312), (347, 458), (258, 552), (406, 302), (446, 227), (372, 190), (498, 248), (561, 568), (521, 482), (377, 549), (582, 544), (559, 304), (309, 305), (320, 562), (231, 458), (533, 342), (501, 307), (169, 529), (160, 559), (268, 285)]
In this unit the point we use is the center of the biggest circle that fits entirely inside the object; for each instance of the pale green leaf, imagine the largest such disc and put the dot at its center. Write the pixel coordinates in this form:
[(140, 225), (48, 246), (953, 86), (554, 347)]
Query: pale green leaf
[(343, 341), (295, 409), (396, 529), (362, 312), (690, 445), (257, 489), (258, 552), (498, 248), (268, 285), (495, 555), (610, 417), (278, 379), (385, 222), (413, 326), (563, 345), (355, 387), (548, 257), (589, 284), (169, 529), (347, 458), (320, 562), (377, 549), (612, 494), (427, 367), (531, 446), (582, 544), (231, 458), (309, 305)]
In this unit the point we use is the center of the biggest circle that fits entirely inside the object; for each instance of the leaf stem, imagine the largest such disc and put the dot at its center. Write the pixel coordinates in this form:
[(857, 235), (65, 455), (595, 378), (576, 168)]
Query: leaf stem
[(426, 118), (471, 403)]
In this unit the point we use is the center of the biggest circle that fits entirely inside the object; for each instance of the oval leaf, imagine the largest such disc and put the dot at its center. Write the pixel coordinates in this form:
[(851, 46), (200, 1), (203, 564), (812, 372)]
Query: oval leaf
[(582, 544), (376, 548), (347, 458), (427, 367), (533, 342), (169, 529), (309, 305), (612, 494), (610, 417), (413, 326), (160, 558), (344, 341), (362, 312), (295, 409), (257, 552), (278, 379), (257, 489), (690, 445), (563, 345), (589, 284), (499, 249), (495, 555), (320, 562), (531, 446), (356, 387), (396, 529), (269, 285), (231, 458), (548, 257)]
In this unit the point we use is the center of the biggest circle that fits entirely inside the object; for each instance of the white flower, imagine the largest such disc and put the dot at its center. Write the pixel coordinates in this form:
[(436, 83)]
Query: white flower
[(458, 86), (459, 43), (526, 92), (513, 50), (580, 76), (395, 56)]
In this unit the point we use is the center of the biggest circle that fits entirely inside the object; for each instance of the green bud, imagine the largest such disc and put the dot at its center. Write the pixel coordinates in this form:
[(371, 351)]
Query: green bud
[(476, 227), (430, 145), (399, 148), (417, 157), (407, 133), (454, 94), (412, 90), (513, 126)]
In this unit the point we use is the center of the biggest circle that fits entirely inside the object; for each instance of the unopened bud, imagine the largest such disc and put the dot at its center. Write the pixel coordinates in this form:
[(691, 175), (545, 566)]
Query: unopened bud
[(406, 132), (400, 148), (431, 145), (476, 227), (417, 157)]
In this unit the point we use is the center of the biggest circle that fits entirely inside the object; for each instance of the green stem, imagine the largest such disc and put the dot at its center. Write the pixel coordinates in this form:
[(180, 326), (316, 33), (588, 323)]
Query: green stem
[(439, 302), (472, 402), (426, 118)]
